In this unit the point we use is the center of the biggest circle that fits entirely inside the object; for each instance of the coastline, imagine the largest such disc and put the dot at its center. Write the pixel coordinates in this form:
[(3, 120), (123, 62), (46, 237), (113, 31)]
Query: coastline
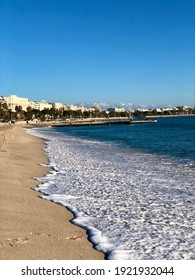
[(101, 121), (33, 228), (170, 116)]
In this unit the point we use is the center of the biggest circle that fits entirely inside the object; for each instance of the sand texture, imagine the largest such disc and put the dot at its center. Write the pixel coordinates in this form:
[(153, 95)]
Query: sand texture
[(31, 227)]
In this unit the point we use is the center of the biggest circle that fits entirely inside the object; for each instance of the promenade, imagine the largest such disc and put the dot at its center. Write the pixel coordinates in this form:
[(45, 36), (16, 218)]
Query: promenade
[(92, 122)]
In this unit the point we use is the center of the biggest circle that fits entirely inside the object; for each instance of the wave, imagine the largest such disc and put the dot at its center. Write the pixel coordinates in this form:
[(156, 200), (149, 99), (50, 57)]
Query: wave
[(135, 205)]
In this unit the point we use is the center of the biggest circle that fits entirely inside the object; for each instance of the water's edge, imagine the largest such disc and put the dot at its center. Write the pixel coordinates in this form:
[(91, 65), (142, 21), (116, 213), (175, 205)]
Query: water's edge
[(92, 233)]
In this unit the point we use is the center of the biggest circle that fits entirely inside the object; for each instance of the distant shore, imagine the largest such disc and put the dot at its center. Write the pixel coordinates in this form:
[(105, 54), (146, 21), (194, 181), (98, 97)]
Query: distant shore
[(92, 121), (170, 116), (87, 122), (33, 228), (102, 121)]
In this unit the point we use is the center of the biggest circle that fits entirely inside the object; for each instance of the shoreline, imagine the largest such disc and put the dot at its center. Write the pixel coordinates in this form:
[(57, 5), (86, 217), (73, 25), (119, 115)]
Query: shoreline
[(29, 228), (170, 116)]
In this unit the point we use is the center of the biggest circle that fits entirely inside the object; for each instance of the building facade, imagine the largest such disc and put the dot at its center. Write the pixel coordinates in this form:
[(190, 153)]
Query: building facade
[(117, 110), (13, 101), (58, 106), (41, 105)]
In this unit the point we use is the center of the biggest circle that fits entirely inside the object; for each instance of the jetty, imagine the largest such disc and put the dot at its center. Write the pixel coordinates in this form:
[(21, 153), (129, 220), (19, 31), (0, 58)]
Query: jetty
[(94, 122)]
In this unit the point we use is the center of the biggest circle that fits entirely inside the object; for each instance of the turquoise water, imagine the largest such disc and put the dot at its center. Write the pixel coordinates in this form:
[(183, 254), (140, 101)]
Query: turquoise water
[(131, 186)]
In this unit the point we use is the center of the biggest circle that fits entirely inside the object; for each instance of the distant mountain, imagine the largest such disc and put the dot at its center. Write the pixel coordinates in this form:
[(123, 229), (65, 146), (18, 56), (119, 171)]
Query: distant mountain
[(126, 106)]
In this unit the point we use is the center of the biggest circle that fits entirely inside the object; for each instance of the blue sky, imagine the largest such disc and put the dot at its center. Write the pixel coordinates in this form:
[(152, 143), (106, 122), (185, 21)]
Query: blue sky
[(136, 51)]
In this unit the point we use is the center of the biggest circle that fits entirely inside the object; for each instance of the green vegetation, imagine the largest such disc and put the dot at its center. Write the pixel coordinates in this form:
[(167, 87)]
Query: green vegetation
[(51, 114)]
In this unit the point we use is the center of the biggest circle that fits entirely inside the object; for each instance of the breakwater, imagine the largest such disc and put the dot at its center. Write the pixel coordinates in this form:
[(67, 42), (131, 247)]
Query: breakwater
[(93, 122)]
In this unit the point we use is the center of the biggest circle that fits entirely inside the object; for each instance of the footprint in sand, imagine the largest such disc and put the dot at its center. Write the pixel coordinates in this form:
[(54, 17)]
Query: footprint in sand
[(40, 234), (74, 238), (36, 233), (15, 242)]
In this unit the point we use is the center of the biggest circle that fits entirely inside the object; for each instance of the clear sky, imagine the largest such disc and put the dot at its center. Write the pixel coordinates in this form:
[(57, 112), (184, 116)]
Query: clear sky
[(74, 51)]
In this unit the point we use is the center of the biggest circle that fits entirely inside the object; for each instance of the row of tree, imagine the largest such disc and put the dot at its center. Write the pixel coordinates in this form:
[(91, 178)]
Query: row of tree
[(51, 114), (30, 114)]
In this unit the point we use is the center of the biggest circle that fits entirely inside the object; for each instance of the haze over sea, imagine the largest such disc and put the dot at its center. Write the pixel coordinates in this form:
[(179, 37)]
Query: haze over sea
[(131, 186)]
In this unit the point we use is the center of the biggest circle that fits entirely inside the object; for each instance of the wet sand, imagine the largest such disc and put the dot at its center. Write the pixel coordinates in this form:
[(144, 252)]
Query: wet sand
[(33, 228)]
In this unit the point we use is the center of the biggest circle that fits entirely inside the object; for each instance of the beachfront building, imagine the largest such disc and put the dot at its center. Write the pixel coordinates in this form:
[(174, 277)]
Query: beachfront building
[(58, 106), (143, 110), (70, 107), (116, 110), (2, 100), (168, 110), (41, 105), (184, 109), (13, 101), (158, 110), (90, 109), (78, 108), (74, 107)]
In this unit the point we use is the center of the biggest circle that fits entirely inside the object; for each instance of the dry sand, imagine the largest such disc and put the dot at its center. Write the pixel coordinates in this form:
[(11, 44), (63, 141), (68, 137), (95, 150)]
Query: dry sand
[(31, 227)]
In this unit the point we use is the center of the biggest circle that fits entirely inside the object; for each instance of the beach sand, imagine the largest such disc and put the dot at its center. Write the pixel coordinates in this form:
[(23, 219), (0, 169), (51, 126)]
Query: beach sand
[(33, 228)]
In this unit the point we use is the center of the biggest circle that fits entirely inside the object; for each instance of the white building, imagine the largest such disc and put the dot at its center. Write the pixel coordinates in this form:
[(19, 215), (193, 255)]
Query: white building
[(143, 110), (158, 110), (13, 101), (74, 108), (57, 106), (184, 108), (167, 109), (2, 100), (80, 108), (114, 109), (41, 105), (90, 109)]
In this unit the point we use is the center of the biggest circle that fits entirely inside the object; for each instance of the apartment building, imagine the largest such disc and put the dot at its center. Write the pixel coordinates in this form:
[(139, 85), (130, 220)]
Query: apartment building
[(114, 109), (184, 108), (2, 100), (13, 101), (58, 106), (41, 105)]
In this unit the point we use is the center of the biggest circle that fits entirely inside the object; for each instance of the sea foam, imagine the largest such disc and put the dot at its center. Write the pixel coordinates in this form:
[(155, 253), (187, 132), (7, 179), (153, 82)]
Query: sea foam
[(135, 205)]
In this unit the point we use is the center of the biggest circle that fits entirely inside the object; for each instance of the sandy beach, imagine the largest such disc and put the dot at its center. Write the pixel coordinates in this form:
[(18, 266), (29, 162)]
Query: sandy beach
[(33, 228)]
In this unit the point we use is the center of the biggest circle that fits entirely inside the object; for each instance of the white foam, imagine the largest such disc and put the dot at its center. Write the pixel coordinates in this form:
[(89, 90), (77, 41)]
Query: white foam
[(134, 205)]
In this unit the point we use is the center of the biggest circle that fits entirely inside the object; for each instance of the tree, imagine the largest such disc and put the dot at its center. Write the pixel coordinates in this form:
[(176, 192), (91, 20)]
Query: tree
[(68, 113), (19, 113), (86, 114), (4, 112), (28, 109)]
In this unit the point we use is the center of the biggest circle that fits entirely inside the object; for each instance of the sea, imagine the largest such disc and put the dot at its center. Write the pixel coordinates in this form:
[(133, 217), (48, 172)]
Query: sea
[(132, 187)]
